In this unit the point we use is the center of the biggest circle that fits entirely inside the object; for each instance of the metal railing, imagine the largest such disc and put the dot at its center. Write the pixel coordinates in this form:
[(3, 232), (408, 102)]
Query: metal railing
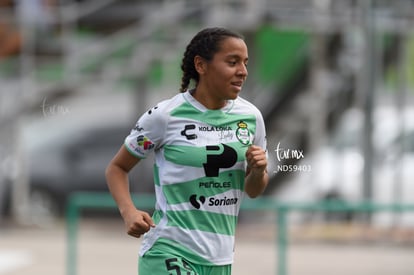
[(81, 201)]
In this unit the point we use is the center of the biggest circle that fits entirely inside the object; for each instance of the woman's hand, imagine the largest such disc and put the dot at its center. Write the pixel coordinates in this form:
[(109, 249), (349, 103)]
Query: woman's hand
[(137, 222), (256, 174), (256, 159)]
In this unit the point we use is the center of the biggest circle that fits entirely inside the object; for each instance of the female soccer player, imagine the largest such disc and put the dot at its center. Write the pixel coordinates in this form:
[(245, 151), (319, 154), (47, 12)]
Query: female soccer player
[(209, 147)]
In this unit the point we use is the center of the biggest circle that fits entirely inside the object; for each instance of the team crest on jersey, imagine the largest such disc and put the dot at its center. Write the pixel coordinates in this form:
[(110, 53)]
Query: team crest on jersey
[(242, 133)]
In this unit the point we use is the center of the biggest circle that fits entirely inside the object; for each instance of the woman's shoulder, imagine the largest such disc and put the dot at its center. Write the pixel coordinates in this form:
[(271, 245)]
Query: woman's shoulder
[(170, 103), (244, 104)]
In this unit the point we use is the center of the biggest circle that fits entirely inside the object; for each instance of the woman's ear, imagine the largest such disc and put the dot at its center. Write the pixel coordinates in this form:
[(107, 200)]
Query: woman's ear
[(200, 64)]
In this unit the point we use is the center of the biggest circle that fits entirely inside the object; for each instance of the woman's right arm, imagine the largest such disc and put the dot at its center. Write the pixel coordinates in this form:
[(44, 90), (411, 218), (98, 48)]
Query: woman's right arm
[(137, 222)]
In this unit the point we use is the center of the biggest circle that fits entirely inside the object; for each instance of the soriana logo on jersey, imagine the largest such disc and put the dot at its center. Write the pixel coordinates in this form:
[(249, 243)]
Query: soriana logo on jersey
[(142, 144), (198, 201)]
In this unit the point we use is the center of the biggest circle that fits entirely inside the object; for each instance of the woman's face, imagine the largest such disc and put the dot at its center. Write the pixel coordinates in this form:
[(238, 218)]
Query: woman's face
[(225, 74)]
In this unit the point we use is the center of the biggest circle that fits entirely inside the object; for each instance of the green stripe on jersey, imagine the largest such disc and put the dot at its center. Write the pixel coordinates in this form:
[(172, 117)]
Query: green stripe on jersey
[(197, 156), (212, 117), (156, 175), (227, 180), (202, 220), (157, 216)]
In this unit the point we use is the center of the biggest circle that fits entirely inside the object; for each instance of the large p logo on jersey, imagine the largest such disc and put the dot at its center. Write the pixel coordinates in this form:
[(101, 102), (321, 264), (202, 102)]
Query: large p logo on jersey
[(226, 159)]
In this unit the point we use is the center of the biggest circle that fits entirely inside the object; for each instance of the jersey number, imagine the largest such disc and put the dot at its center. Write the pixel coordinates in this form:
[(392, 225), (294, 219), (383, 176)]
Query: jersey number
[(171, 265)]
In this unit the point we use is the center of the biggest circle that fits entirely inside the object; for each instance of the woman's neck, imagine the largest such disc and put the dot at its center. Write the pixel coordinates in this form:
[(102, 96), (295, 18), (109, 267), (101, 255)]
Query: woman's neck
[(207, 100)]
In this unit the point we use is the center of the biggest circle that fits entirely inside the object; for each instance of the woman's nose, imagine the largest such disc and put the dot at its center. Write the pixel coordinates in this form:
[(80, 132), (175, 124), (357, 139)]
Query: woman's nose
[(243, 70)]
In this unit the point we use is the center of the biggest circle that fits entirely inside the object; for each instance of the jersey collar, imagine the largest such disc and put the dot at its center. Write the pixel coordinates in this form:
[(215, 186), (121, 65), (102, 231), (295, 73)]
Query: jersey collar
[(196, 104)]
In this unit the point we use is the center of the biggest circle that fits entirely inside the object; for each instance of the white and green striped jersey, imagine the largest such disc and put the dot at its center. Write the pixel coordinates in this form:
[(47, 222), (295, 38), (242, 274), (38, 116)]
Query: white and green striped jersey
[(199, 173)]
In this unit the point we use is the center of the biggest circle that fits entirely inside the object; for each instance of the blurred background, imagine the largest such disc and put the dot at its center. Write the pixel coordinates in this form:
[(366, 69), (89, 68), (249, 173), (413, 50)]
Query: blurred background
[(334, 80)]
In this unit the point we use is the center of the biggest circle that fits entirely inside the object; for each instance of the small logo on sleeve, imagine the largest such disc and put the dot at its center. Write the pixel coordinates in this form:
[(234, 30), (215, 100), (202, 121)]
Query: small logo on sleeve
[(144, 142)]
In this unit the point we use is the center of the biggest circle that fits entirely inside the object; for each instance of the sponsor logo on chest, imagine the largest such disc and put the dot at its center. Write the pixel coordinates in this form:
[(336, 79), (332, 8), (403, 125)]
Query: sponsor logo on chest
[(222, 134)]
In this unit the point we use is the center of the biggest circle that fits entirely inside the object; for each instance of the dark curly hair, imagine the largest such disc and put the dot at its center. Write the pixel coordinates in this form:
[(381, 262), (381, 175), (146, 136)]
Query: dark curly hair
[(205, 44)]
